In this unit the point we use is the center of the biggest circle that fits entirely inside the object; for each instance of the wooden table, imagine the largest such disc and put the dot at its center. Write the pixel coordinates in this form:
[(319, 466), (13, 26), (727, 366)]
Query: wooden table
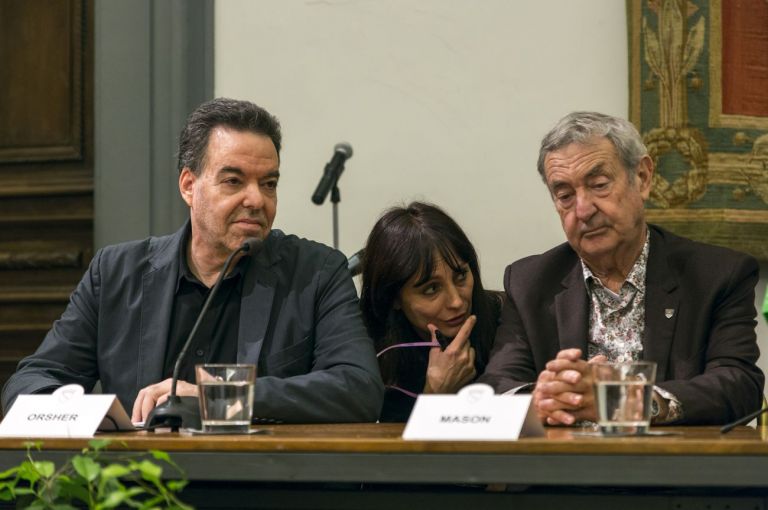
[(697, 459)]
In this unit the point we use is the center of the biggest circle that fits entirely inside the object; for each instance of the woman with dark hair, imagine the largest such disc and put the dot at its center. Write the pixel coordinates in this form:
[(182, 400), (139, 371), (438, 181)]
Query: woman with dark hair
[(424, 306)]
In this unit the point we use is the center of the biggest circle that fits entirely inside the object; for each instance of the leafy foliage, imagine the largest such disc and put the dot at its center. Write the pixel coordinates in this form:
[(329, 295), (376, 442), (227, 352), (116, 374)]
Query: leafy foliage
[(87, 480)]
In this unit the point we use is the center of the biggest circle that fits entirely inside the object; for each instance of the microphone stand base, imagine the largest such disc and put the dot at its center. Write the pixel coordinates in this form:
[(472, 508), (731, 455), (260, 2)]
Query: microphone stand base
[(168, 414)]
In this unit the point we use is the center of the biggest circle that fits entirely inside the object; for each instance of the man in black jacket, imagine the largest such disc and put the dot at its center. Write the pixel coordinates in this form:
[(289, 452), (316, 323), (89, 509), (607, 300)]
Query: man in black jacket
[(291, 308)]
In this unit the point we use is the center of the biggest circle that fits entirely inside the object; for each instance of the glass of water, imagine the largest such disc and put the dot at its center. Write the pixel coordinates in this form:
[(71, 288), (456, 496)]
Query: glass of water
[(226, 397), (623, 393)]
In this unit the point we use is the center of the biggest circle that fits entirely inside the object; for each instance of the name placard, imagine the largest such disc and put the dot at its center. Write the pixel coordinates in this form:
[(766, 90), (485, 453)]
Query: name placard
[(474, 414), (68, 412)]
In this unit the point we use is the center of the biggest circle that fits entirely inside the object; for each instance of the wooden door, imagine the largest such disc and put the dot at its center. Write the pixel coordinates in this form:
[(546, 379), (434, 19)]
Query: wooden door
[(46, 166)]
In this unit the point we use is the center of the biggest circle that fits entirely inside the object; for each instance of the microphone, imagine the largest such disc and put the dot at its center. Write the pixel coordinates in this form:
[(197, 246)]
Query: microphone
[(341, 152), (742, 421), (355, 262), (173, 413)]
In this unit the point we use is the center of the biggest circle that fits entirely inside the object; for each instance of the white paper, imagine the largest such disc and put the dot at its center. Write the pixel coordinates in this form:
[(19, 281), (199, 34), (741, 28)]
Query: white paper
[(474, 414), (68, 412)]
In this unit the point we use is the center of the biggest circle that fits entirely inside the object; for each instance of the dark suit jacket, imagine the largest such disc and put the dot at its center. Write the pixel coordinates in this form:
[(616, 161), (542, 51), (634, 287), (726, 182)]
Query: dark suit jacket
[(706, 351), (299, 321)]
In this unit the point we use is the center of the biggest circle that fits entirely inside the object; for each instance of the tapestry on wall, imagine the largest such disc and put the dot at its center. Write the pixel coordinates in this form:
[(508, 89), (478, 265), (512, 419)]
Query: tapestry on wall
[(699, 97)]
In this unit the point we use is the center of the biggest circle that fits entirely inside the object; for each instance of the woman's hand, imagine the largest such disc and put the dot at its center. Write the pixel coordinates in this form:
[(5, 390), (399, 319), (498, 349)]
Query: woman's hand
[(450, 370)]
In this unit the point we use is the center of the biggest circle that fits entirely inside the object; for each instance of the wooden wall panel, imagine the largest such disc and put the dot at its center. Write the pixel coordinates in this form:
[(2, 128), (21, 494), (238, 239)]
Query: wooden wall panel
[(41, 50), (46, 166)]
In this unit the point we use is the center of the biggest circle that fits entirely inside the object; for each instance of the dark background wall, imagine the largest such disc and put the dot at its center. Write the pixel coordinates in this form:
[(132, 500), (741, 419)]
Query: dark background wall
[(92, 97)]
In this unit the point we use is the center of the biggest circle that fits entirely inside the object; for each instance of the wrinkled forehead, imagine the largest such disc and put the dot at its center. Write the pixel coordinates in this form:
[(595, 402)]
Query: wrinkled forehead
[(580, 156)]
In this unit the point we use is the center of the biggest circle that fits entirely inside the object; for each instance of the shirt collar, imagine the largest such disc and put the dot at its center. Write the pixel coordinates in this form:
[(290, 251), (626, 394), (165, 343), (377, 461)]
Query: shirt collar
[(185, 273), (636, 276)]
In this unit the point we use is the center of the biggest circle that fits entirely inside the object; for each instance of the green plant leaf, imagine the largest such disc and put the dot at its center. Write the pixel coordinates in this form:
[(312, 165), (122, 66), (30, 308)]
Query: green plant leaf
[(176, 485), (8, 473), (86, 467), (6, 492), (98, 444), (135, 491), (127, 498), (86, 482), (73, 489), (45, 468), (161, 455), (28, 472), (63, 506), (150, 471), (9, 484), (54, 488), (152, 503), (113, 499), (114, 471)]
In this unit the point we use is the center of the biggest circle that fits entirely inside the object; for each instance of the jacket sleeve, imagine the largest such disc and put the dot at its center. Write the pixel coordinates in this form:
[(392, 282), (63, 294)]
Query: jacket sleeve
[(511, 364), (343, 384), (67, 355)]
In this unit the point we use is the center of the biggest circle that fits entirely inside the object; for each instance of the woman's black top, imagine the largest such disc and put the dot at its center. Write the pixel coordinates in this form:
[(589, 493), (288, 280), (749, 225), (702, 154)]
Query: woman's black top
[(412, 370)]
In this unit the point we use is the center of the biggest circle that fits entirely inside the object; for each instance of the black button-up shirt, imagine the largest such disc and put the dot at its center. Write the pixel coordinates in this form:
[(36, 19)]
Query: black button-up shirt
[(216, 337)]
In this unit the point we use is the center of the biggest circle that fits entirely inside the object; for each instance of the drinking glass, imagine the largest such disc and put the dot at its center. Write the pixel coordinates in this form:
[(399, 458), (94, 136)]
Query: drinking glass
[(623, 393), (226, 397)]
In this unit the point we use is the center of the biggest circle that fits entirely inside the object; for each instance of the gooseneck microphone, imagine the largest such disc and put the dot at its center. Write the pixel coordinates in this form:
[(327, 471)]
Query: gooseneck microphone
[(742, 421), (341, 153), (171, 413)]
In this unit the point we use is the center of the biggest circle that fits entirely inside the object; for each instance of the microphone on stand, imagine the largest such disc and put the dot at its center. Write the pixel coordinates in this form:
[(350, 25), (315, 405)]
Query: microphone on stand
[(173, 412), (341, 153)]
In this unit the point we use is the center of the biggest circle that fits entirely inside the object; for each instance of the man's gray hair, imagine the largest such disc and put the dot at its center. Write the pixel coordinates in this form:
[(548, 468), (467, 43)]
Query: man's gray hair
[(584, 127)]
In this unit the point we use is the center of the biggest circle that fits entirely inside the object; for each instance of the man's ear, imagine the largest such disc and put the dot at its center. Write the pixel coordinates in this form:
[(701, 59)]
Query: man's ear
[(644, 176), (186, 185)]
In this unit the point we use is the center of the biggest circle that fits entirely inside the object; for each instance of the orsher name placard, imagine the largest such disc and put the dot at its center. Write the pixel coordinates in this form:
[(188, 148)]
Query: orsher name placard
[(68, 412), (474, 414)]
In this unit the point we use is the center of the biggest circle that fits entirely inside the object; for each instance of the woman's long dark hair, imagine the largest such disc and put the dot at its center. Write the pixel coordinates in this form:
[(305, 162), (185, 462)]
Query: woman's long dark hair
[(404, 242)]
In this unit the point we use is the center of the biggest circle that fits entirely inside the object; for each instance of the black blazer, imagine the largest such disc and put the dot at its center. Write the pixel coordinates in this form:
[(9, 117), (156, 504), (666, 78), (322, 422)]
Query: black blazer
[(706, 350), (299, 321)]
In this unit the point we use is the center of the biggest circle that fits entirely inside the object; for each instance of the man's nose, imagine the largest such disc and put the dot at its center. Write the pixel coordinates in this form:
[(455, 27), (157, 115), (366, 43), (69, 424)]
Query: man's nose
[(253, 198), (585, 206)]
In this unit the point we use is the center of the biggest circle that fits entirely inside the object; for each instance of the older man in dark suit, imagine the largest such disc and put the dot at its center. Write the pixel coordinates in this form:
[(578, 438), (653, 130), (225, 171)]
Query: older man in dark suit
[(623, 290), (291, 309)]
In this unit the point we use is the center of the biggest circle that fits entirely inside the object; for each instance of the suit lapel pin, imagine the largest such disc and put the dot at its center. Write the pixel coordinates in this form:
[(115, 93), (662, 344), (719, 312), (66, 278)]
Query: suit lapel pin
[(669, 312)]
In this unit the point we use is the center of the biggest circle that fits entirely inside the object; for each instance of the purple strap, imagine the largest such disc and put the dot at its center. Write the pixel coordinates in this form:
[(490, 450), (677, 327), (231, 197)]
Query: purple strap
[(410, 344), (402, 390), (399, 346)]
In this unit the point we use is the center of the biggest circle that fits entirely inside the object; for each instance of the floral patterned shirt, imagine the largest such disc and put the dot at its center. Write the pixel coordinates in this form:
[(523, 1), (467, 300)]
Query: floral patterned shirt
[(617, 321)]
